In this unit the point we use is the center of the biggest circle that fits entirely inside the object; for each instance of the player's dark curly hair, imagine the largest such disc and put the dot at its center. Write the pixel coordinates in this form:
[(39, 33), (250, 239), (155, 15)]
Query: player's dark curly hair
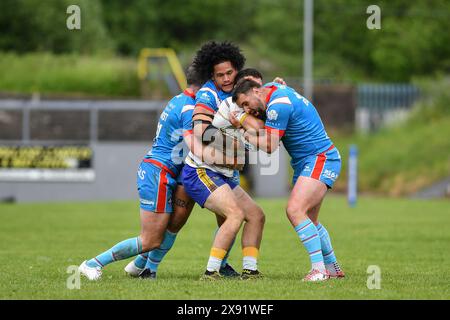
[(213, 53)]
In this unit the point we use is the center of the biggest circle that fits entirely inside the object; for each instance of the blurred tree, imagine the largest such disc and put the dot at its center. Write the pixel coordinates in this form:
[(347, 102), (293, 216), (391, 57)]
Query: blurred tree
[(342, 42), (33, 25), (413, 40), (278, 36), (135, 24)]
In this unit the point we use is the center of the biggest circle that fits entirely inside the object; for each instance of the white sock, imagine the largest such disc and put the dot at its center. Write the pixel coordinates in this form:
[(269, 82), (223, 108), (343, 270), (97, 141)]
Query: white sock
[(250, 263), (213, 264)]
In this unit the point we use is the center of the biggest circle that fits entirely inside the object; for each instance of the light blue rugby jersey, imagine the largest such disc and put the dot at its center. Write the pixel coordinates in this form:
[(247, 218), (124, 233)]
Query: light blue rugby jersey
[(296, 121), (175, 120), (210, 97)]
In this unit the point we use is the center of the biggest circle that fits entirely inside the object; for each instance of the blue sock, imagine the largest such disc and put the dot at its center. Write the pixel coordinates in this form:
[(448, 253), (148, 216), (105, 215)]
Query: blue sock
[(325, 241), (309, 236), (225, 259), (155, 256), (125, 249), (141, 260)]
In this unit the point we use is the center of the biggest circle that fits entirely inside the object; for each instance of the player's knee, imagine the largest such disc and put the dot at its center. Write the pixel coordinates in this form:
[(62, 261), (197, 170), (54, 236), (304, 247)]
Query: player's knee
[(176, 225), (294, 211), (175, 228), (235, 221), (150, 243), (235, 212), (262, 217), (256, 214)]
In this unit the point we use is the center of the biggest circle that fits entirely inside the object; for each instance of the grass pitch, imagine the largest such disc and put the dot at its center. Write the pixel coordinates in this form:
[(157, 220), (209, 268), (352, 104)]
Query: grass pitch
[(409, 240)]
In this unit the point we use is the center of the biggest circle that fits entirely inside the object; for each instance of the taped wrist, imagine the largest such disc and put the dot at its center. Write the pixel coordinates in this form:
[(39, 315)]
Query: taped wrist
[(200, 121), (241, 117)]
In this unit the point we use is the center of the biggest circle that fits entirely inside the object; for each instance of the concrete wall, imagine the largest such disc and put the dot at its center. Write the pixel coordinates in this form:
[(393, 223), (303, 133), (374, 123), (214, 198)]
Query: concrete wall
[(115, 166)]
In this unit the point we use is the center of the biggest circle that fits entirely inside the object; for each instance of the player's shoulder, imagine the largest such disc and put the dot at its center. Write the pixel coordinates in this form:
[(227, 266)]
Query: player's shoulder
[(180, 103), (208, 96), (277, 89), (207, 90), (279, 95), (177, 101), (276, 85)]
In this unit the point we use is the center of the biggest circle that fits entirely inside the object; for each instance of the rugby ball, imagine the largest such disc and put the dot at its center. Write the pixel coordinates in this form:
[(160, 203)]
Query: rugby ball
[(222, 116)]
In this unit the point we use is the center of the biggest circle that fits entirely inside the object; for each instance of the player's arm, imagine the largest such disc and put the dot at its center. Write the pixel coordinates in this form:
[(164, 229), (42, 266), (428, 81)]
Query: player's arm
[(266, 136), (247, 122), (209, 146), (206, 142), (267, 139), (204, 152), (186, 118), (256, 133), (253, 128), (202, 134), (202, 117)]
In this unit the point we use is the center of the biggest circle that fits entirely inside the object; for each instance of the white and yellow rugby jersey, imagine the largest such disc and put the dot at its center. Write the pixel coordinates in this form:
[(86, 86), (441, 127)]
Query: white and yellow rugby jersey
[(209, 98)]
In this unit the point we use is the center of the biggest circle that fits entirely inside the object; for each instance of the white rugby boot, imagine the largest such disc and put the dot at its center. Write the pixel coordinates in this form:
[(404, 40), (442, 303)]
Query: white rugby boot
[(132, 270), (92, 274)]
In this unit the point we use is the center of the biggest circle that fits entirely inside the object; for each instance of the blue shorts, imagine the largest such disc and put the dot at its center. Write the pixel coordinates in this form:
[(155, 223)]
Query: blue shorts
[(199, 183), (324, 167), (156, 185)]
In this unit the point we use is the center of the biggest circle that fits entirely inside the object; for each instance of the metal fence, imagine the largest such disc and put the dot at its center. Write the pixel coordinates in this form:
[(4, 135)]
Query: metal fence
[(387, 96), (379, 105), (73, 120)]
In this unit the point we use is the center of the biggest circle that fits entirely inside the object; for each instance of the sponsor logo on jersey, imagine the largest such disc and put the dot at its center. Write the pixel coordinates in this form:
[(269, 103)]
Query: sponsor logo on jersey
[(272, 115), (164, 116), (141, 173), (205, 96), (147, 202), (330, 174)]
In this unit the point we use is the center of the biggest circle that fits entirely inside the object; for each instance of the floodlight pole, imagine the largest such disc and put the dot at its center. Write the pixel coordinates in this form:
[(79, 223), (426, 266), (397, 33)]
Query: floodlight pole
[(308, 48)]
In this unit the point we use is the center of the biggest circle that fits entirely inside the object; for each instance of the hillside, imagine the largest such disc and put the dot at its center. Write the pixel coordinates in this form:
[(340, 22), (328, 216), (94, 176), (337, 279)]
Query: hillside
[(404, 159)]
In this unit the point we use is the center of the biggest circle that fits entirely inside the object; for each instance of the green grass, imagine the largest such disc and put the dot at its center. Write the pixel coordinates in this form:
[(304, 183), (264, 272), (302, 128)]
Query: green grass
[(408, 240), (69, 74)]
